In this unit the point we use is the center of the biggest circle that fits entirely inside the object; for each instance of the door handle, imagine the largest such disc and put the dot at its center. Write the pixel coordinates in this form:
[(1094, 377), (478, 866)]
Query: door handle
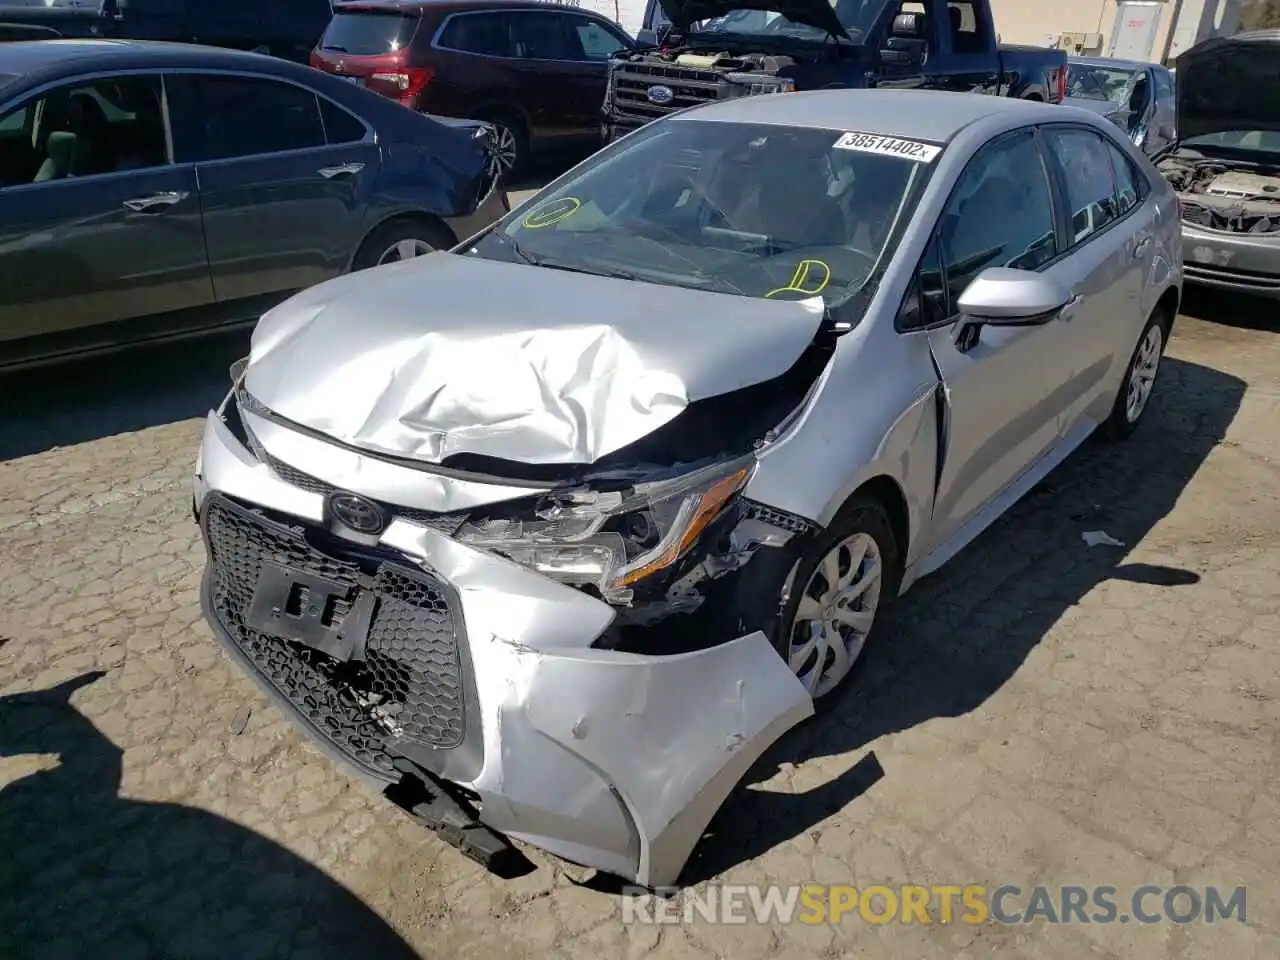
[(1070, 307), (166, 199), (345, 169), (1140, 248)]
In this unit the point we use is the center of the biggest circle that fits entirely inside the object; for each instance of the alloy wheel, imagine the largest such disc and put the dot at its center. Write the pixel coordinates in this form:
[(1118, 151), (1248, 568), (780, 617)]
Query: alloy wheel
[(836, 612), (1142, 378), (505, 150), (405, 249)]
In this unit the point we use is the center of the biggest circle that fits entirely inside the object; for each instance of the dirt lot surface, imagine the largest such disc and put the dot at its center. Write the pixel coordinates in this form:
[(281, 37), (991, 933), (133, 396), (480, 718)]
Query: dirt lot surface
[(1041, 712)]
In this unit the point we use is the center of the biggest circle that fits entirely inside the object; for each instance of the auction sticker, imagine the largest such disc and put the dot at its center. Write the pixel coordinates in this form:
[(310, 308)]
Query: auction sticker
[(915, 150)]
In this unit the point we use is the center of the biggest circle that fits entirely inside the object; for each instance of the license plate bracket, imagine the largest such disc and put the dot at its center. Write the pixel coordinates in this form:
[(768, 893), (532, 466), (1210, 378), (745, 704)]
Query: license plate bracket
[(303, 607)]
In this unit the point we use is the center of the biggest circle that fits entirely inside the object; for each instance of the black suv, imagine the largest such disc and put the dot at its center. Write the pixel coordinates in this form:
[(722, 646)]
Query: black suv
[(283, 28)]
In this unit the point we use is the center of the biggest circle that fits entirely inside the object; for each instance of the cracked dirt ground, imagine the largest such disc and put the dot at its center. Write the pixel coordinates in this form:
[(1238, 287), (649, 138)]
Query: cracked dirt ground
[(1043, 712)]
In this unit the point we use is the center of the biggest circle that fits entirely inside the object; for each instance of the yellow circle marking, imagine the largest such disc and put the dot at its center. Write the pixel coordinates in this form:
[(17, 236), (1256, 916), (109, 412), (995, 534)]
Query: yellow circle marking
[(551, 213), (801, 278)]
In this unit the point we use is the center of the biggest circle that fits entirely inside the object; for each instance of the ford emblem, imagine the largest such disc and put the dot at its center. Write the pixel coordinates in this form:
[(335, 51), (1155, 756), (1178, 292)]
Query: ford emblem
[(661, 95), (357, 513)]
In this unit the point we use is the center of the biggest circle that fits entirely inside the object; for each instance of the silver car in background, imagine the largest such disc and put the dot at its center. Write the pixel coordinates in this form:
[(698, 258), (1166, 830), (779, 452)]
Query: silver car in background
[(554, 534), (1139, 98), (1225, 164)]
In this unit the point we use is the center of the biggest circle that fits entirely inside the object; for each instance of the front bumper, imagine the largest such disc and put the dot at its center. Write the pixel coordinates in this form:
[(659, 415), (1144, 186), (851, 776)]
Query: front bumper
[(1243, 263), (481, 673)]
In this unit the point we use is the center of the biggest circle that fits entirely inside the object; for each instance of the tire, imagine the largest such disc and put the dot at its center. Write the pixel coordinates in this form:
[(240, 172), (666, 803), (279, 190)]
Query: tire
[(1139, 380), (513, 142), (862, 528), (393, 241)]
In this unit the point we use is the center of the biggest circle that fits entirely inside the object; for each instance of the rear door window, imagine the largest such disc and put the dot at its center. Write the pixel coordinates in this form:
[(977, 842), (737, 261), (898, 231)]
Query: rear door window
[(486, 34), (368, 33), (1085, 169), (244, 117)]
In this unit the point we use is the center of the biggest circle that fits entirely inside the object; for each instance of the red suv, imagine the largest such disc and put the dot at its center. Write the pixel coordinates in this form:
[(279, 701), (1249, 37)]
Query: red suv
[(536, 71)]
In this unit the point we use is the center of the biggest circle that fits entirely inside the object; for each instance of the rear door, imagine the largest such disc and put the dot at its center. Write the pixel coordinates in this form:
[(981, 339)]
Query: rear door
[(1003, 390), (1109, 254), (97, 223), (284, 177)]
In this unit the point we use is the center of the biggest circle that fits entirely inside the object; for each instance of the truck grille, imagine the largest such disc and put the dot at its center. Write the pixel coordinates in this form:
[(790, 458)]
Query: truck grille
[(630, 90), (409, 684)]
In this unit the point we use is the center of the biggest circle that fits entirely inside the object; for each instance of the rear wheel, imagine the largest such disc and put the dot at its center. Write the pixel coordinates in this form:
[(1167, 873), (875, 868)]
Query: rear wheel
[(511, 144), (401, 240), (1139, 380)]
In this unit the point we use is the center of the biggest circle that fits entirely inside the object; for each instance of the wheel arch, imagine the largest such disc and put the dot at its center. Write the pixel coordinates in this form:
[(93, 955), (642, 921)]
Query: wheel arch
[(436, 223)]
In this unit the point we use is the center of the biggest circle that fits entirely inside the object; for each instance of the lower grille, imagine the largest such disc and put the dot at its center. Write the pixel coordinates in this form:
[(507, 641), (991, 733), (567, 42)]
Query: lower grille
[(409, 682)]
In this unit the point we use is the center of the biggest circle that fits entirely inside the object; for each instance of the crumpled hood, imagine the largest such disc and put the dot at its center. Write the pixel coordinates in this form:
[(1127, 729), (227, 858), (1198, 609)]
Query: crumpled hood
[(448, 354), (815, 13), (1229, 83)]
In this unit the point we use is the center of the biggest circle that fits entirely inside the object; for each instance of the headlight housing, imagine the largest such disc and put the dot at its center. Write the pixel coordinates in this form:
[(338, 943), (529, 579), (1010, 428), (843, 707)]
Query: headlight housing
[(614, 541)]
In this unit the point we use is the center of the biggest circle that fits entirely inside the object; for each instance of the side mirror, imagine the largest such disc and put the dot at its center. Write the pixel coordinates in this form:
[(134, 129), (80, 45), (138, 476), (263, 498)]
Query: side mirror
[(905, 46), (1005, 297)]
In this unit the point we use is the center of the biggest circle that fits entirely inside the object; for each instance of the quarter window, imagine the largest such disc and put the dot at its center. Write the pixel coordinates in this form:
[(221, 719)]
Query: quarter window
[(248, 117), (486, 34), (1085, 166), (594, 41), (1000, 215)]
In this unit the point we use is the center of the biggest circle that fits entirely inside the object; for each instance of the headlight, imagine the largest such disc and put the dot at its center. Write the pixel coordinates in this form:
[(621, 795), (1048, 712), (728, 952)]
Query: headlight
[(610, 540)]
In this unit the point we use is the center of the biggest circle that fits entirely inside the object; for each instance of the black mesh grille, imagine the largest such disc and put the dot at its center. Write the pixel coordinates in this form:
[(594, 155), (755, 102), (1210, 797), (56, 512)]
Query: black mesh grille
[(410, 682)]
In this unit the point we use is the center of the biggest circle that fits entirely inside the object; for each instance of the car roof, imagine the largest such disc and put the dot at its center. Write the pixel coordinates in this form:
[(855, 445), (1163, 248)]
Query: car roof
[(32, 62), (1112, 62), (934, 115), (420, 6)]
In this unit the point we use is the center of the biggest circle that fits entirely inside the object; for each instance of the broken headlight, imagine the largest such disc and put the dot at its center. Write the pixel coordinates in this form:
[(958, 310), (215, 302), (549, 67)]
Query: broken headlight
[(613, 541)]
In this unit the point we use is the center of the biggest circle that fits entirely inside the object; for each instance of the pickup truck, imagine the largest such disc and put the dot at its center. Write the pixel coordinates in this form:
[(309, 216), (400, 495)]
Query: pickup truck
[(283, 28), (693, 51)]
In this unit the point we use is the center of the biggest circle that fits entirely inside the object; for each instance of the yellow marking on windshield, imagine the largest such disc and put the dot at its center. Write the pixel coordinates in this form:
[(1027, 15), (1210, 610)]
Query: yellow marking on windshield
[(551, 213), (800, 279)]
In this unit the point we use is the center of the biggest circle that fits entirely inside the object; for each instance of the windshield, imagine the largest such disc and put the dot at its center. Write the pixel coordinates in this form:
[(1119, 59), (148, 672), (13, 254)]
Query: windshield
[(368, 33), (757, 210), (857, 16), (1261, 141), (1087, 82)]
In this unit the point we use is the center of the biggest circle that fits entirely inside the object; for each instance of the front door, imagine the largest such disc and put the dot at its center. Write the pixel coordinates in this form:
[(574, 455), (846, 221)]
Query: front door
[(590, 42), (283, 192), (1004, 390), (97, 224)]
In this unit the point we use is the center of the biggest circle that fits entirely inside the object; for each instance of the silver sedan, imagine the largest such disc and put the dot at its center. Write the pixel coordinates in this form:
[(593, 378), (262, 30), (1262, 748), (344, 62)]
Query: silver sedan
[(553, 534)]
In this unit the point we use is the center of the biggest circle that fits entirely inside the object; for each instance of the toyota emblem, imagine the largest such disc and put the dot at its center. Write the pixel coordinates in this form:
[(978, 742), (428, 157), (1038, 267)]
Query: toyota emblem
[(357, 513)]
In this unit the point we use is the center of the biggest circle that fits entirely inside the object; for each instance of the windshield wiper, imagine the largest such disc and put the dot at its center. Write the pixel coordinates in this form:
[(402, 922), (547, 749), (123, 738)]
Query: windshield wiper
[(540, 261)]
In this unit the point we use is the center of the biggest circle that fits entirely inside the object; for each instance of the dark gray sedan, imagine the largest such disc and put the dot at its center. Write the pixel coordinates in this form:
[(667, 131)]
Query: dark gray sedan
[(153, 190), (1137, 97)]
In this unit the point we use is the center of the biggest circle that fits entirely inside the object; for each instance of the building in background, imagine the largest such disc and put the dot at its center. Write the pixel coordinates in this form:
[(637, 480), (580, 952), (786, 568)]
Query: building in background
[(1151, 30)]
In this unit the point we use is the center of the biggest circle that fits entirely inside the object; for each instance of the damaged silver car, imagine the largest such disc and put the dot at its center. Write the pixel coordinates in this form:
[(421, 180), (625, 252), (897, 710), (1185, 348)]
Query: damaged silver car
[(555, 533), (1225, 164)]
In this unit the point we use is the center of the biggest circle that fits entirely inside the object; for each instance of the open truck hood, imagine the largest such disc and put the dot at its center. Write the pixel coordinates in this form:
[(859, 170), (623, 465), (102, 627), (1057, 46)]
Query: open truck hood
[(814, 13), (1229, 83), (451, 354)]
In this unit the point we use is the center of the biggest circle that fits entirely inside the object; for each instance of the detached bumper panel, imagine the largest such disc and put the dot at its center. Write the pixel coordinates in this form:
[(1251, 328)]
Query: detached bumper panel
[(401, 675)]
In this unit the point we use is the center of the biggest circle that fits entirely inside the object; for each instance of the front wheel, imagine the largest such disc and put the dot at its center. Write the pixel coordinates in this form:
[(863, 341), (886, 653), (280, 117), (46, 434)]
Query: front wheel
[(841, 587), (1139, 380)]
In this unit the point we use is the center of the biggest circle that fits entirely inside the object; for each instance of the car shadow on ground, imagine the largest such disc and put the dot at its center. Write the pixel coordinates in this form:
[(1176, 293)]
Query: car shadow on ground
[(86, 872), (1231, 309), (77, 401), (956, 637)]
